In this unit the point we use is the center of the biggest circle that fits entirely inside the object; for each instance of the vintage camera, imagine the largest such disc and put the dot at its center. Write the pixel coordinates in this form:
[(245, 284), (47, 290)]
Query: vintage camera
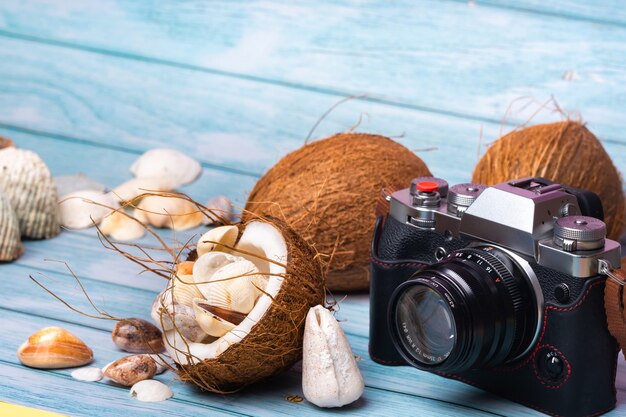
[(500, 287)]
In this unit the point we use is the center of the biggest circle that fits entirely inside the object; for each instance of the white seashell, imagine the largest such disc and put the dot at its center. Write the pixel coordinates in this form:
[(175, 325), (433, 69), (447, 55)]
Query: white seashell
[(209, 322), (168, 212), (214, 239), (81, 209), (28, 185), (223, 209), (151, 390), (138, 186), (207, 264), (180, 318), (67, 184), (120, 226), (167, 163), (330, 375), (10, 244), (163, 300), (87, 374), (184, 290), (232, 287)]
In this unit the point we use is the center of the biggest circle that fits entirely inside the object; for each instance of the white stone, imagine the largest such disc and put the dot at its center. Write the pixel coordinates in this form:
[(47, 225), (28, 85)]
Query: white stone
[(330, 375), (87, 374)]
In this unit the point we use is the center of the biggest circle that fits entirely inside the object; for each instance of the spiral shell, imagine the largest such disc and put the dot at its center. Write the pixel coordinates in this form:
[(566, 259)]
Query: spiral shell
[(10, 244), (27, 183)]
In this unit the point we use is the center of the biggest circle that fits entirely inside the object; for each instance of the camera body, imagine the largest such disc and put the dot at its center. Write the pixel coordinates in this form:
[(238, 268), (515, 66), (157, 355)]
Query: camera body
[(498, 287)]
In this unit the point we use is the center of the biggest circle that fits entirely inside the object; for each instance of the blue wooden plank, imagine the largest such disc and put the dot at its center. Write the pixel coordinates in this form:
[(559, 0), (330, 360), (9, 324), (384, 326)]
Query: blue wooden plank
[(26, 298), (441, 57), (229, 122), (607, 12), (111, 166), (266, 399)]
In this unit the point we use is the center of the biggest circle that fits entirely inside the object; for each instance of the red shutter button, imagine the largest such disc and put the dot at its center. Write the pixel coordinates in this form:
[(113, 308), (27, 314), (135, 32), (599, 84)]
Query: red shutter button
[(427, 186)]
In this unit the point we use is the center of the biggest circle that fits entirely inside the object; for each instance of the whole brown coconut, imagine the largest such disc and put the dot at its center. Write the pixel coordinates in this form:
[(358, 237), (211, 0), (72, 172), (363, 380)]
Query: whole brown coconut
[(269, 340), (565, 152), (327, 191)]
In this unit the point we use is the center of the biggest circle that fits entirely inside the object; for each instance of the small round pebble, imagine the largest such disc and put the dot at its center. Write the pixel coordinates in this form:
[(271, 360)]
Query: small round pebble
[(151, 390), (87, 374)]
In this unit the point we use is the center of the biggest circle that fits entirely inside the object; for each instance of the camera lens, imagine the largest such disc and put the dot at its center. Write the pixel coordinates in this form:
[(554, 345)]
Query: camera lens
[(476, 308), (431, 331)]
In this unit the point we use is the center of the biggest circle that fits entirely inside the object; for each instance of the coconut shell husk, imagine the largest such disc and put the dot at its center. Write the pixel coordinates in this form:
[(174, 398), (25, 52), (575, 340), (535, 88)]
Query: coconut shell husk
[(565, 152), (274, 344), (328, 190)]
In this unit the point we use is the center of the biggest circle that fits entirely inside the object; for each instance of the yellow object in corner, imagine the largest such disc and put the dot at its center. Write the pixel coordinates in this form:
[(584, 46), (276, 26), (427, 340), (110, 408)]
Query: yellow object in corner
[(15, 410)]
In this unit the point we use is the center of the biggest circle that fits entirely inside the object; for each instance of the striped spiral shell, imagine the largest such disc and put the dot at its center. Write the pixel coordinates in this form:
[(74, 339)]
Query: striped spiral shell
[(10, 244), (26, 182)]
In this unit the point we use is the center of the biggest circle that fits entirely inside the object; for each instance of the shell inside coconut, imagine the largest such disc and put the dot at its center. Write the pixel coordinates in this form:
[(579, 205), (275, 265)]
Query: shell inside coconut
[(257, 344)]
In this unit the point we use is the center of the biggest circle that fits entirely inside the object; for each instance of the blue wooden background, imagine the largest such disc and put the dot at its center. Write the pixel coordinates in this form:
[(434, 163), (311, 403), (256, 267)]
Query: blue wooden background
[(91, 84)]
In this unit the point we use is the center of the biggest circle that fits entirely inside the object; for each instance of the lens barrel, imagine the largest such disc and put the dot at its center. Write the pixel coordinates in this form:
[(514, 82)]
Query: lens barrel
[(474, 309)]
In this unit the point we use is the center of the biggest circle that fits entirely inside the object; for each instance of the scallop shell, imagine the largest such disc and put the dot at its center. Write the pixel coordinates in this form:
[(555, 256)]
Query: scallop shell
[(232, 287), (209, 322), (120, 226), (184, 290), (222, 207), (168, 212), (131, 189), (207, 264), (27, 183), (169, 164), (10, 244), (80, 209), (215, 238)]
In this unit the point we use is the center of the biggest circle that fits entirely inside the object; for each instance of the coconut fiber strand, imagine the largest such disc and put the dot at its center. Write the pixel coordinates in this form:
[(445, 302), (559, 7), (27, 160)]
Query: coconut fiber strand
[(327, 191), (564, 152)]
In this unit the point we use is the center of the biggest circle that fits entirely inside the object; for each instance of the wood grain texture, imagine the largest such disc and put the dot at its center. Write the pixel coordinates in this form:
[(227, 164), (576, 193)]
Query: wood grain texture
[(265, 399), (90, 85), (442, 57), (243, 125)]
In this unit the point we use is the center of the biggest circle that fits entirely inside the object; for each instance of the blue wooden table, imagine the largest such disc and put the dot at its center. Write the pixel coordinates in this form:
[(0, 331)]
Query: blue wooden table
[(91, 84)]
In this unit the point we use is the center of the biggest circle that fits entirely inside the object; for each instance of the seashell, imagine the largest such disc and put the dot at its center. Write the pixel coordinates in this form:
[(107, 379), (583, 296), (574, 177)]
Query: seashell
[(223, 209), (184, 289), (164, 300), (137, 336), (151, 391), (28, 185), (169, 164), (168, 212), (330, 375), (207, 264), (208, 321), (214, 239), (179, 316), (10, 244), (232, 287), (129, 370), (6, 143), (120, 226), (81, 209), (87, 374), (67, 184), (54, 347), (184, 268), (131, 189)]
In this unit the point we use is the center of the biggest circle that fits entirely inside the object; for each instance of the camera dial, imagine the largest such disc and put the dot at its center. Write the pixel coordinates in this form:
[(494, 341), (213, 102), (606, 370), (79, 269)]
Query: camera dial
[(476, 308)]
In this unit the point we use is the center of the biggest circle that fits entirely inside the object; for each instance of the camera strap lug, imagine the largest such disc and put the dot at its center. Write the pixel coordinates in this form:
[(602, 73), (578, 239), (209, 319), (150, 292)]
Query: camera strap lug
[(614, 300), (604, 268)]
